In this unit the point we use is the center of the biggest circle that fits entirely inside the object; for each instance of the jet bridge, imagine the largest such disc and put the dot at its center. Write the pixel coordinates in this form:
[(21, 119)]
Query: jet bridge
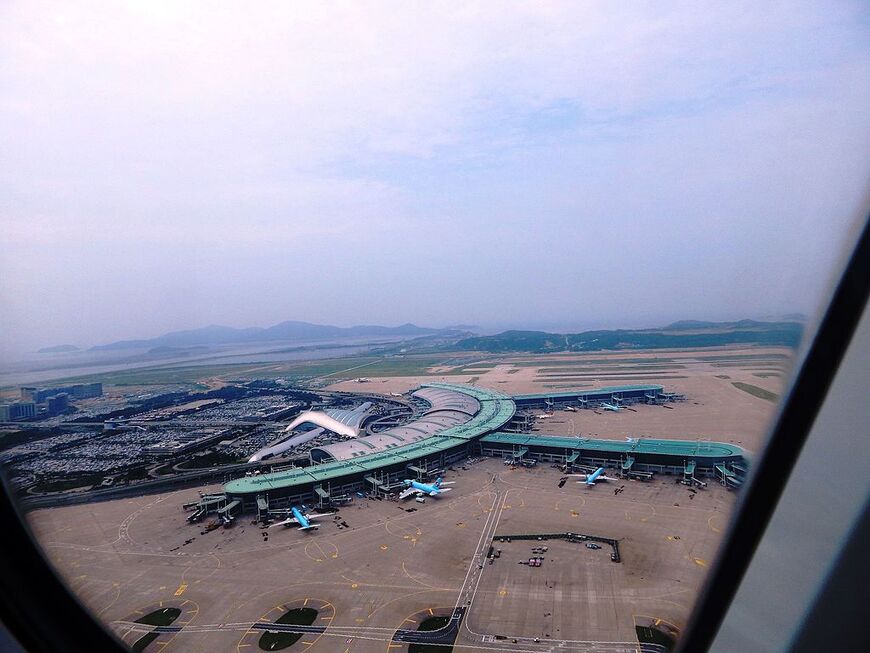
[(689, 474), (207, 504), (516, 456), (262, 507), (228, 509), (727, 477)]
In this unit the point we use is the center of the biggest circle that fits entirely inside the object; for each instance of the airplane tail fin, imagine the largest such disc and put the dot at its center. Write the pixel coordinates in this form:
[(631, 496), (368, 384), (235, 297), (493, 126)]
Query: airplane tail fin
[(437, 482)]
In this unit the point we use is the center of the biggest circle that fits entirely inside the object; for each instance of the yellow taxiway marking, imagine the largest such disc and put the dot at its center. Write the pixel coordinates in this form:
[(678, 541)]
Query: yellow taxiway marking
[(700, 562), (360, 620), (710, 524), (430, 612), (507, 507), (384, 547), (179, 591), (502, 592), (304, 603), (353, 586)]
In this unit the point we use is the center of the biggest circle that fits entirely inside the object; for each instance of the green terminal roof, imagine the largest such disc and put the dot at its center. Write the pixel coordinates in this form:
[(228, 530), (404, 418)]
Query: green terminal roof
[(496, 409), (684, 448)]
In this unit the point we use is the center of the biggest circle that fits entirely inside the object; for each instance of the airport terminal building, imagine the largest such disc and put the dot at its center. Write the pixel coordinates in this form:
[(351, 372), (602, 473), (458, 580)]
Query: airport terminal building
[(461, 421)]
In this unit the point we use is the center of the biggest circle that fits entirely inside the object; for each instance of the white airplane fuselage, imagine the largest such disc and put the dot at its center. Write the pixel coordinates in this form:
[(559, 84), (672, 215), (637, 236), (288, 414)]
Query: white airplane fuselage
[(415, 487)]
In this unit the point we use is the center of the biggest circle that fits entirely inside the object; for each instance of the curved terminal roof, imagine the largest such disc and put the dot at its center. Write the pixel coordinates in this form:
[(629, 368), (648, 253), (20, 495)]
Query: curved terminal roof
[(353, 417), (448, 408), (440, 398), (344, 422), (494, 411)]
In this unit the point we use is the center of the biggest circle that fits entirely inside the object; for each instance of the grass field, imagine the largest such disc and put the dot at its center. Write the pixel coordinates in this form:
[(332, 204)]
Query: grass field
[(755, 391), (297, 617), (597, 361), (353, 366), (432, 623), (603, 376)]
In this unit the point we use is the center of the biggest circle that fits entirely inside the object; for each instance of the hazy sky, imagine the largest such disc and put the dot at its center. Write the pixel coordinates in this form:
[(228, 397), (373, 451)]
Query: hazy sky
[(169, 165)]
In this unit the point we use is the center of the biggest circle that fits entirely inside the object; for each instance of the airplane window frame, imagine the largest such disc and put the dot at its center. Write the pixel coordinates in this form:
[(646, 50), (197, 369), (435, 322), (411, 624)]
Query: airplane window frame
[(774, 463)]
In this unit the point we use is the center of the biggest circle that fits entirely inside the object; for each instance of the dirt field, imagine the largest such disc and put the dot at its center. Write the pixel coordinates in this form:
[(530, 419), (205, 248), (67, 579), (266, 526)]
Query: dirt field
[(125, 556)]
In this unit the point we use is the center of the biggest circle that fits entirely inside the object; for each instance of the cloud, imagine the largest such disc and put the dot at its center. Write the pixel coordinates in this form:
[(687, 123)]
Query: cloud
[(373, 138)]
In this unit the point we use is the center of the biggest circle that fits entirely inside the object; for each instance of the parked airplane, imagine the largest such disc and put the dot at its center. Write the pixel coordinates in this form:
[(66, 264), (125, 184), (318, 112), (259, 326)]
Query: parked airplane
[(571, 409), (613, 407), (545, 415), (421, 488), (597, 475), (300, 518)]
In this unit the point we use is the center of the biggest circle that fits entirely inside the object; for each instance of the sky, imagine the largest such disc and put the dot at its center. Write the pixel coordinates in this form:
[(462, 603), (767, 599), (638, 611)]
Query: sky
[(581, 164)]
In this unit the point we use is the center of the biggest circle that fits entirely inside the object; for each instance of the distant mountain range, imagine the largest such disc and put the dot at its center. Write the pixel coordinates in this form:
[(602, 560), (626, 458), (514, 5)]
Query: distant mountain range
[(57, 349), (682, 334), (283, 332)]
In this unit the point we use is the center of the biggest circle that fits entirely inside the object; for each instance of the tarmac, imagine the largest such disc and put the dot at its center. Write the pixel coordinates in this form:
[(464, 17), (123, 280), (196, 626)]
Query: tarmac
[(390, 567)]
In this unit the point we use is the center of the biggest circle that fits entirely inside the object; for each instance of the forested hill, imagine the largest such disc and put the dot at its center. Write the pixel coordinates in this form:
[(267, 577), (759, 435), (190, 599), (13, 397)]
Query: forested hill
[(678, 335)]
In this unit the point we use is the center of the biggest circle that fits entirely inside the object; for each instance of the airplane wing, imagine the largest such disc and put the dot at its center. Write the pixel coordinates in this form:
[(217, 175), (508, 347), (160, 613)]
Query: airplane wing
[(443, 483), (408, 492), (600, 478), (316, 515), (286, 522)]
